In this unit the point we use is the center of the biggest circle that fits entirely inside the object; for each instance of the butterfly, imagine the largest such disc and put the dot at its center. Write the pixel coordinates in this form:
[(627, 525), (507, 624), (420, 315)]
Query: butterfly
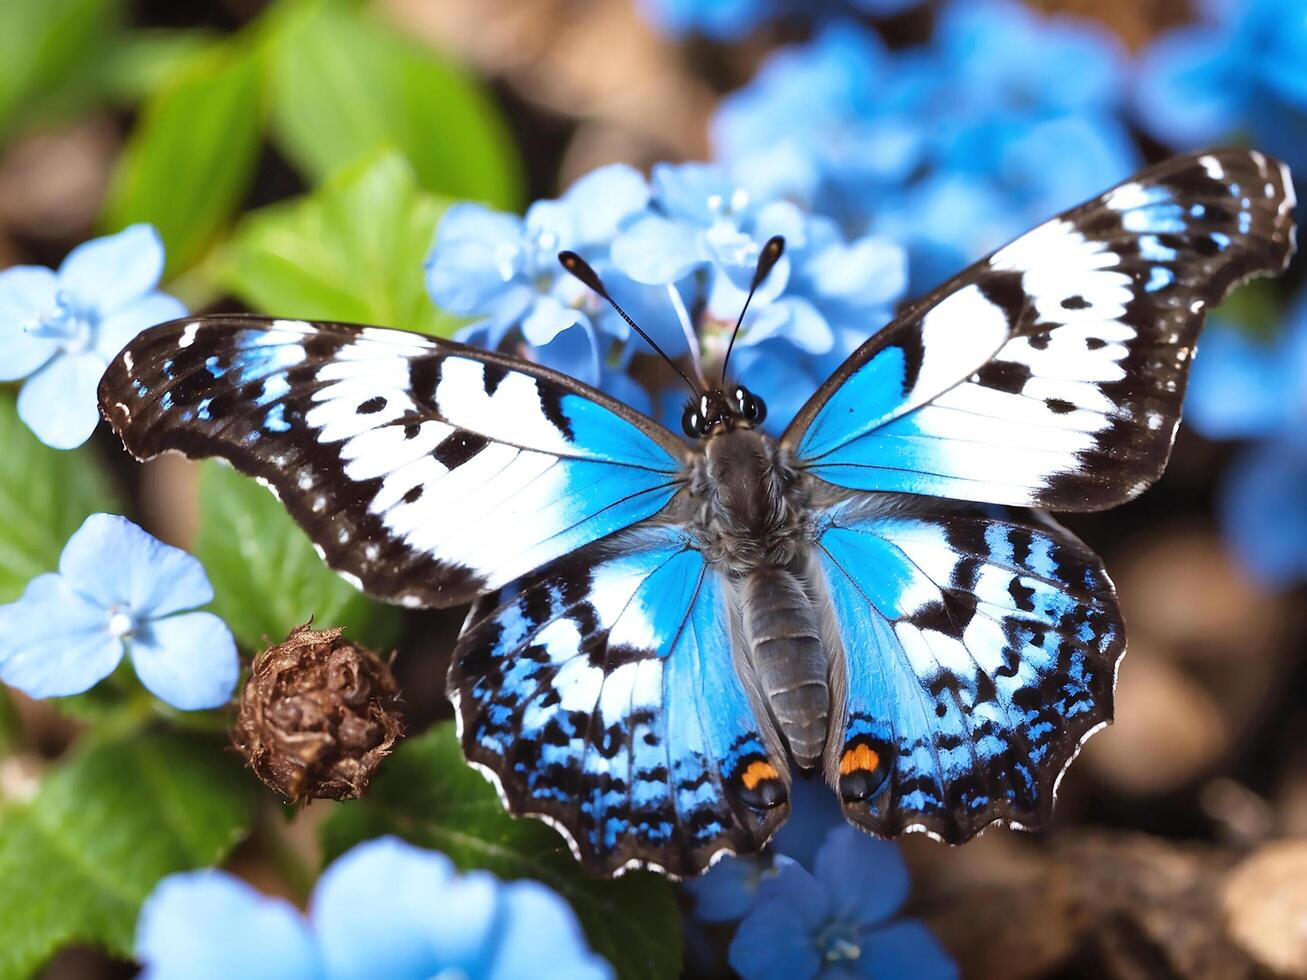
[(662, 631)]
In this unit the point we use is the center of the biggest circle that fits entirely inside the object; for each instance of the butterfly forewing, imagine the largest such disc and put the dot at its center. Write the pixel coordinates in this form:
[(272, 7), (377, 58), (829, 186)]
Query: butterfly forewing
[(1051, 374), (427, 471)]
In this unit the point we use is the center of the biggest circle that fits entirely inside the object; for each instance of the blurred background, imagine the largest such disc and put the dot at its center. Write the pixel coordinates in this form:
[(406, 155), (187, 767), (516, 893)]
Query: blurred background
[(296, 157)]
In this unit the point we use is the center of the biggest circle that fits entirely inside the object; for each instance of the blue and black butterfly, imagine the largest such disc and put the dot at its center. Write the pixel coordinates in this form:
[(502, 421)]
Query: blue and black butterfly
[(662, 630)]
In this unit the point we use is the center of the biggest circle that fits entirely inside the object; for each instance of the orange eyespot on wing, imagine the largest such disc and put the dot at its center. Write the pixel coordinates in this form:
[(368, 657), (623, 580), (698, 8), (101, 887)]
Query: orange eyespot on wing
[(860, 758), (760, 785), (863, 769), (758, 771)]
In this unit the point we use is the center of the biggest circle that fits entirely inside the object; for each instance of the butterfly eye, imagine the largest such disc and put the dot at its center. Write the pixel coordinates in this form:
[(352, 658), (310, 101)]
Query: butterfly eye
[(693, 423), (750, 406)]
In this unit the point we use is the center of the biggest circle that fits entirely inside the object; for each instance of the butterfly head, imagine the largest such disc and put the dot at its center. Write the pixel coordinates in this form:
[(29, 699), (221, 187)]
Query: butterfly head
[(718, 410)]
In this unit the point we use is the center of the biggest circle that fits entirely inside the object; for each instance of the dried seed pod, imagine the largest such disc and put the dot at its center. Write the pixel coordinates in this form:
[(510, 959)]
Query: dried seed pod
[(317, 716)]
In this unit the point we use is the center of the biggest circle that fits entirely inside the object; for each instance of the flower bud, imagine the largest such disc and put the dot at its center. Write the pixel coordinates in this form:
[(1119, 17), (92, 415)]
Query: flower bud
[(317, 716)]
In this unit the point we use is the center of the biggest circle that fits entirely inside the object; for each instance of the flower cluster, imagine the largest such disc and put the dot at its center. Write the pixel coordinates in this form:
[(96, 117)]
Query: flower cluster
[(1242, 388), (731, 20), (383, 909), (953, 147), (687, 240), (118, 591), (824, 906), (1239, 70), (59, 330)]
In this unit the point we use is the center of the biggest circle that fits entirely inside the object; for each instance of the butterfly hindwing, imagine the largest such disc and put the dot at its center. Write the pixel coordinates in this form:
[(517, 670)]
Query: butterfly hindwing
[(601, 693), (427, 471), (980, 650), (1051, 373)]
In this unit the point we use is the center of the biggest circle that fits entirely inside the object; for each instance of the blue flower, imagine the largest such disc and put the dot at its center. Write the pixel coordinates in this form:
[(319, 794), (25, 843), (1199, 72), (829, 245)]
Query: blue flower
[(504, 271), (1246, 389), (1240, 69), (384, 909), (119, 590), (952, 147), (59, 330), (838, 919), (730, 20), (702, 235)]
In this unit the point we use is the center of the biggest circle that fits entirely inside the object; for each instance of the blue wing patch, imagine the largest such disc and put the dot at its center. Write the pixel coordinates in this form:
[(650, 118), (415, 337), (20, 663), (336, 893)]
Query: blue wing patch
[(601, 694), (1051, 374), (980, 650), (425, 471)]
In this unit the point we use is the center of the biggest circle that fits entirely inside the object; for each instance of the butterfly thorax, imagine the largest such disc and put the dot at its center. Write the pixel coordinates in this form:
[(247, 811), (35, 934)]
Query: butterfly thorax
[(749, 502)]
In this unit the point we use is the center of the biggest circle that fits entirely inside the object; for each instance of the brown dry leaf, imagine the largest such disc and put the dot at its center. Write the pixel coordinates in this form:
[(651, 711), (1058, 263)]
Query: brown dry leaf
[(1265, 904), (1000, 907), (1153, 908)]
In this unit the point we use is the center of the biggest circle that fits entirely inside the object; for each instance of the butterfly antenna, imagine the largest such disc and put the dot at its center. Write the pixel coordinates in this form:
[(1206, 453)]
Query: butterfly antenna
[(687, 328), (767, 259), (581, 269)]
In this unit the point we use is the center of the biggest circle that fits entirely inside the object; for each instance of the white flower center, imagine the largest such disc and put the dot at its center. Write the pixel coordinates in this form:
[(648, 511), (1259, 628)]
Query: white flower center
[(121, 623), (65, 322)]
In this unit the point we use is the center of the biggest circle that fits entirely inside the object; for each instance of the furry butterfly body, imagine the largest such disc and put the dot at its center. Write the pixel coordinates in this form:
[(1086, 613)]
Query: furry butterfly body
[(662, 632)]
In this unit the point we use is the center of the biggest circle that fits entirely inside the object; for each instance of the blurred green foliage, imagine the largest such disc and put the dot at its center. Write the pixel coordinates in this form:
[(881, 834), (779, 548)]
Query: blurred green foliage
[(351, 251), (109, 822), (45, 495), (266, 577)]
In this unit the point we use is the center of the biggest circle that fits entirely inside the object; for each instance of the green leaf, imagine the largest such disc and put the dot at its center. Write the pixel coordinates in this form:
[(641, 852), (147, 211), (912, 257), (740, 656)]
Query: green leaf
[(266, 577), (147, 60), (49, 47), (345, 86), (1254, 308), (105, 826), (191, 157), (426, 794), (351, 251), (45, 495)]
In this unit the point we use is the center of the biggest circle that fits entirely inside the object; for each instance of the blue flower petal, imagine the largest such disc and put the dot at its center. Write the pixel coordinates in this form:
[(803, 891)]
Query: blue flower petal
[(696, 193), (905, 950), (539, 937), (814, 813), (59, 403), (574, 351), (626, 389), (209, 925), (1188, 92), (865, 877), (1264, 511), (548, 318), (477, 254), (869, 271), (26, 292), (602, 199), (778, 938), (388, 909), (114, 562), (106, 274), (792, 319), (727, 890), (188, 660), (54, 642), (116, 331), (657, 250), (1239, 387)]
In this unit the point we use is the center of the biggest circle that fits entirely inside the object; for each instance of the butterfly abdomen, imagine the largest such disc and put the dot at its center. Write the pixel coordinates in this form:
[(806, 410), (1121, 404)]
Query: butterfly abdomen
[(788, 659)]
